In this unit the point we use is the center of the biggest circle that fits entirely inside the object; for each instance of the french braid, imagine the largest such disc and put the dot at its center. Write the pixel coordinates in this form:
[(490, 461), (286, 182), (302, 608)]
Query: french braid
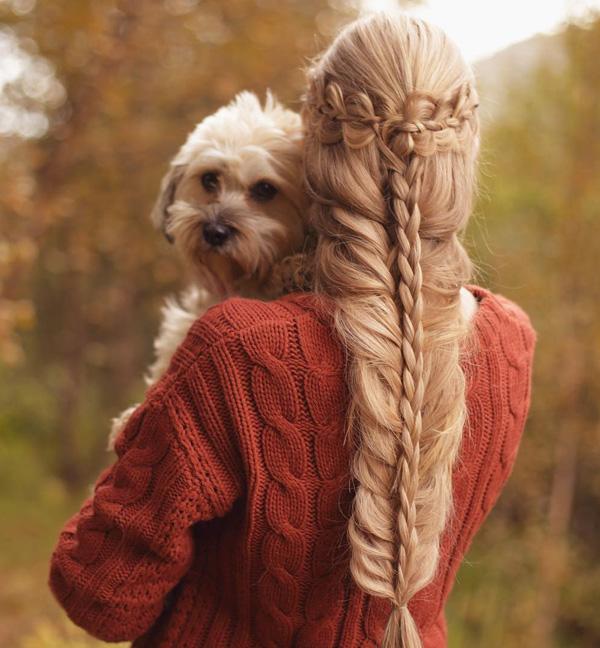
[(388, 253)]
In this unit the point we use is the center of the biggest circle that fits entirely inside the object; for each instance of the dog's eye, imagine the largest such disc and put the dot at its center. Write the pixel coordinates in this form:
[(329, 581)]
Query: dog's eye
[(210, 181), (263, 191)]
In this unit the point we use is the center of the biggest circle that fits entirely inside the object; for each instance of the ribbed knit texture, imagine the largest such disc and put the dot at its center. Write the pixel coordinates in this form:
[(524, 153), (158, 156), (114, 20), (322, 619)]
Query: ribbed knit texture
[(222, 522)]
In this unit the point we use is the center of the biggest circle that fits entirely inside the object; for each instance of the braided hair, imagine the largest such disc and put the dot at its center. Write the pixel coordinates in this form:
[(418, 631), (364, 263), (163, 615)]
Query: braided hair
[(391, 141)]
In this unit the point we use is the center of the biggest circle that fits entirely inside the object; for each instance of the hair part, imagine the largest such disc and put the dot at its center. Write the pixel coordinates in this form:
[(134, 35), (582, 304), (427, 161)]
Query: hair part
[(391, 142)]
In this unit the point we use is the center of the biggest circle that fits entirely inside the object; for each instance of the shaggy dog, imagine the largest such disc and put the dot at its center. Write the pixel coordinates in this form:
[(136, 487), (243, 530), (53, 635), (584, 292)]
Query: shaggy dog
[(233, 204)]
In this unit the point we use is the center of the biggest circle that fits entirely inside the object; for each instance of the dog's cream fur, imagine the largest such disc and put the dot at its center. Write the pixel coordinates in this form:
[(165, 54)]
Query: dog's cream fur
[(244, 145)]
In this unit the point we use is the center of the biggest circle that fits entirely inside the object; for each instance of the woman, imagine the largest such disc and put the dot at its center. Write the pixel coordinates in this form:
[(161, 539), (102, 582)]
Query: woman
[(311, 471)]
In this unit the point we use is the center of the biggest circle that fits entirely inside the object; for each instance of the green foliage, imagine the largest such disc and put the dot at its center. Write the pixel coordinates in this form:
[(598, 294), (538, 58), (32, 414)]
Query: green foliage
[(536, 236)]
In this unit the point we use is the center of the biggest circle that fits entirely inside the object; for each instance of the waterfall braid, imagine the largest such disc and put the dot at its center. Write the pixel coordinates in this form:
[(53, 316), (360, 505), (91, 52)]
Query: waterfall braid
[(392, 137)]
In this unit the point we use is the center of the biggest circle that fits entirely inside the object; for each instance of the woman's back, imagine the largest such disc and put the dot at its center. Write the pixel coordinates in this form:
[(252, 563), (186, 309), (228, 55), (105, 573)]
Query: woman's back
[(233, 487)]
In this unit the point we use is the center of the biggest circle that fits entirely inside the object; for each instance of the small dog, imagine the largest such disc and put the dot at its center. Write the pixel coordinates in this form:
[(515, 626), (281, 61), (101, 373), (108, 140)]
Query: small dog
[(233, 204)]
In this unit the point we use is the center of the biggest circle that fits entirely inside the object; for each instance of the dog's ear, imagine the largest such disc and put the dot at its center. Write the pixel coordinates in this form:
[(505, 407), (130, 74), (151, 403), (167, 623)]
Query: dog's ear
[(166, 196)]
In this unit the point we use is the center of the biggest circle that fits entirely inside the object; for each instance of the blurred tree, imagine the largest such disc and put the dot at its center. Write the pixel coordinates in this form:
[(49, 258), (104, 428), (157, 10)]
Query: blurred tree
[(537, 236)]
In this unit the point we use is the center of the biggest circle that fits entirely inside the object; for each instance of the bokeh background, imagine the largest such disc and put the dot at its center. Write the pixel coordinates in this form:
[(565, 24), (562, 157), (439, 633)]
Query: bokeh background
[(96, 96)]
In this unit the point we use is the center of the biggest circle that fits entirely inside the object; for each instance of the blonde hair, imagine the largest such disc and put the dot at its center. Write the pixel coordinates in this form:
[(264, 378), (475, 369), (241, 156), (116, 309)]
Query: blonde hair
[(392, 137)]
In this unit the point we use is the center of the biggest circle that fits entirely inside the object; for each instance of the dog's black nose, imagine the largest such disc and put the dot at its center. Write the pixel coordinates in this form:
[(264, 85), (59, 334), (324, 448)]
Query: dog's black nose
[(216, 233)]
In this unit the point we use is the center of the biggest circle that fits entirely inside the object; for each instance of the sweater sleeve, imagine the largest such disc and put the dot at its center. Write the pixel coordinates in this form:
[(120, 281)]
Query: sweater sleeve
[(130, 544)]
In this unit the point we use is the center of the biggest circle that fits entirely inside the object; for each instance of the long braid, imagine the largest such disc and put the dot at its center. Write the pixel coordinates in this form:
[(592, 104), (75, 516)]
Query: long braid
[(389, 255), (371, 526), (404, 187)]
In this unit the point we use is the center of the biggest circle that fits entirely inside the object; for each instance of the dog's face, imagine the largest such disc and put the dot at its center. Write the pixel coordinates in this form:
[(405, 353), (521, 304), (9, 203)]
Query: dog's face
[(232, 201)]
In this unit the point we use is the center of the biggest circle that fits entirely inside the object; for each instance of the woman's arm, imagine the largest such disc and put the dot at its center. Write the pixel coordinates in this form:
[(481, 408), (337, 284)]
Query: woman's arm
[(118, 558)]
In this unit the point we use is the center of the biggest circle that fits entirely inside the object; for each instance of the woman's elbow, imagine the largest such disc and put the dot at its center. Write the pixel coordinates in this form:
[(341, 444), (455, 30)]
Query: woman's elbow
[(103, 619)]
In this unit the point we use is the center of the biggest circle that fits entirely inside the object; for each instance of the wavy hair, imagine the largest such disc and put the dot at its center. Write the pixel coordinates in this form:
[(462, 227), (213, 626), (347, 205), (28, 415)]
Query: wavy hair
[(391, 145)]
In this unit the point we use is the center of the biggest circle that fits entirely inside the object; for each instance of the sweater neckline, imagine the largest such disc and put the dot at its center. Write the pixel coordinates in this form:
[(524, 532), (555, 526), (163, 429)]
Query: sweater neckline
[(320, 304)]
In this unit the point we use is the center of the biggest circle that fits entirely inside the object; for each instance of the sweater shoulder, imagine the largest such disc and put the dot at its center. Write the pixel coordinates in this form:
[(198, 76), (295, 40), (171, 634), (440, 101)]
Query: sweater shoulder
[(236, 314), (244, 331), (503, 320), (238, 319)]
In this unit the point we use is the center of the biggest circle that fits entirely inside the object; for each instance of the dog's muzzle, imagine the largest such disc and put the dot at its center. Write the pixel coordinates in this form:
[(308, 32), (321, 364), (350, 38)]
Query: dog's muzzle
[(216, 233)]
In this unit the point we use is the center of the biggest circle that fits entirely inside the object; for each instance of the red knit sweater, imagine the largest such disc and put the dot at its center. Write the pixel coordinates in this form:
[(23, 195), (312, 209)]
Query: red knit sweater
[(222, 522)]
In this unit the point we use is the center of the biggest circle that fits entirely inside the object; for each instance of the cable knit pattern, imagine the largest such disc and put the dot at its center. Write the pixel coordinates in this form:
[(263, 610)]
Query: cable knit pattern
[(285, 504), (326, 399), (222, 522)]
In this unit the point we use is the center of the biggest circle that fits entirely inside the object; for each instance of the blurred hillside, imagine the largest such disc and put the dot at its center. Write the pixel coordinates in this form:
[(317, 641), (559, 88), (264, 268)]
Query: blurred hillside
[(97, 98), (514, 66)]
